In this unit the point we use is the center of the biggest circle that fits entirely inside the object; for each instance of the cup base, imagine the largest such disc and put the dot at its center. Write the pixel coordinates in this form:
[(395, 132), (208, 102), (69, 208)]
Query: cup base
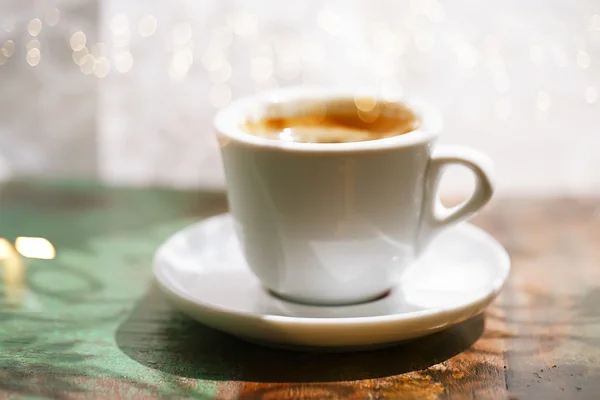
[(328, 302)]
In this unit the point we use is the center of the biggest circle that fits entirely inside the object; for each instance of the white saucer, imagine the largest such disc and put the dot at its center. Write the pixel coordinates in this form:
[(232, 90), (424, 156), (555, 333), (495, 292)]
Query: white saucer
[(203, 272)]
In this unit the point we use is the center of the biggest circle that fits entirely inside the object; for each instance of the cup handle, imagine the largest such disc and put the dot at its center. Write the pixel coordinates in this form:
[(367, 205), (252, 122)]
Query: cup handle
[(435, 216)]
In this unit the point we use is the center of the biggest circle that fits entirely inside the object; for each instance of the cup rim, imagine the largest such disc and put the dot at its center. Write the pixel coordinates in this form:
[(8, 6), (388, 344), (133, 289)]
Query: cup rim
[(227, 122)]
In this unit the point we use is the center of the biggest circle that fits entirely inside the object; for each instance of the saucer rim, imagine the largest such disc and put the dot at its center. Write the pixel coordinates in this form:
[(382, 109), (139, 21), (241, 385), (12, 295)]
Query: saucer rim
[(503, 264)]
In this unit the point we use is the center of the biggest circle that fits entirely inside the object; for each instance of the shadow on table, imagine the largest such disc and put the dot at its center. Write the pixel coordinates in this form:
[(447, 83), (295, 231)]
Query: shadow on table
[(161, 338)]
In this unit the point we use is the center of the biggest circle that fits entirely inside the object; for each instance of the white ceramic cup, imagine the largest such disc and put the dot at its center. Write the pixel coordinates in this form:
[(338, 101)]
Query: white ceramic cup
[(337, 223)]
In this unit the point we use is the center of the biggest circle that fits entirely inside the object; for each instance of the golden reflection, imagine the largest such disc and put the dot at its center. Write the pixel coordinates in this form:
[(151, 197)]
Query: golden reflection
[(87, 64), (35, 247), (9, 48), (33, 57), (364, 103), (13, 273), (77, 41), (367, 107), (369, 116), (101, 67), (33, 44), (34, 27), (79, 57), (6, 249)]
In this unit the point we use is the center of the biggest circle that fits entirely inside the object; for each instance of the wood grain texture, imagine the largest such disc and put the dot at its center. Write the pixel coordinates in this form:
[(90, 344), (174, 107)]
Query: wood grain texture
[(90, 323)]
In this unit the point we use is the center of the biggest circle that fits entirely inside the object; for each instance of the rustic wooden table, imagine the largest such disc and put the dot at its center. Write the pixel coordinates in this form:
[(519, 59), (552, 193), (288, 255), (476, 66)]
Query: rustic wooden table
[(89, 323)]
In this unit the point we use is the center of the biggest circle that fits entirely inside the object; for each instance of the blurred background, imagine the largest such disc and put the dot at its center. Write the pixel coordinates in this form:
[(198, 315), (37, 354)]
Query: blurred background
[(124, 91)]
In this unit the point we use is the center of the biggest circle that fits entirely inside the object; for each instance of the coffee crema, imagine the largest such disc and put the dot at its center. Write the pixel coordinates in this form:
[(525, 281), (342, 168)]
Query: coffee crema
[(336, 121)]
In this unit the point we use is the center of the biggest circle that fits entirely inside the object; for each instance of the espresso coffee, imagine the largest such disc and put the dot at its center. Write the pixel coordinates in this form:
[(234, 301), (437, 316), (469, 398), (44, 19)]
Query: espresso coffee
[(340, 121)]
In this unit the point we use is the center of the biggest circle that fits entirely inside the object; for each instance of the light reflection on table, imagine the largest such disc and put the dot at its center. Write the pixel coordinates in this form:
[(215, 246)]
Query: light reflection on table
[(14, 268)]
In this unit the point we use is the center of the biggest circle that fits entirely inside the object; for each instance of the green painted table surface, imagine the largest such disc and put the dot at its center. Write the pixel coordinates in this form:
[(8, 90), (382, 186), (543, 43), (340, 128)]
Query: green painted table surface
[(88, 321)]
